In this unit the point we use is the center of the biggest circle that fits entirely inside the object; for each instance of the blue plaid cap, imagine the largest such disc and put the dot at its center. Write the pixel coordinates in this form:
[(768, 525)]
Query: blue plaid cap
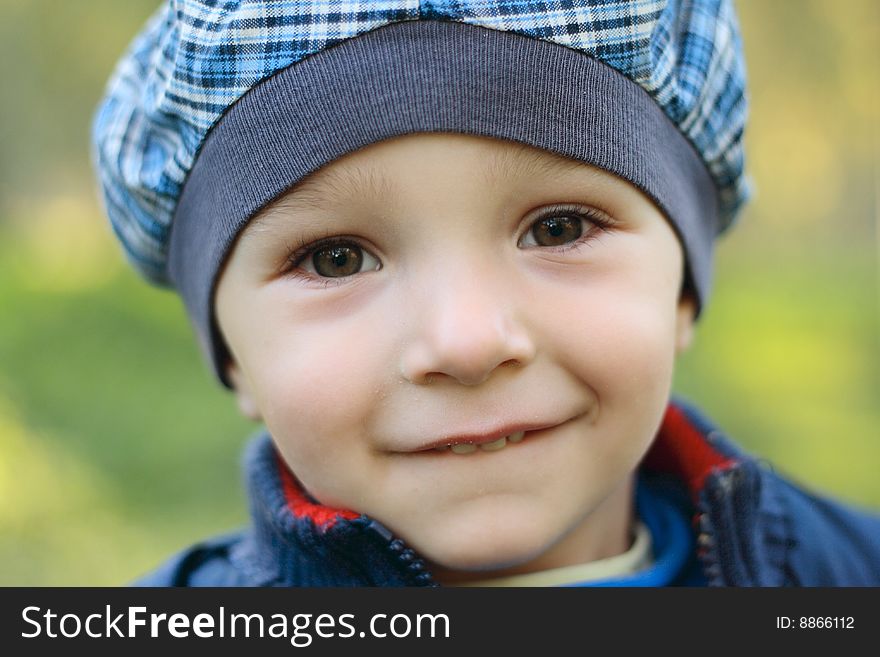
[(186, 90)]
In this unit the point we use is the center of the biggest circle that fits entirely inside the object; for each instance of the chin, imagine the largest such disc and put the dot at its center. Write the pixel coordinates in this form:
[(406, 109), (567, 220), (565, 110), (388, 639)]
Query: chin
[(482, 553)]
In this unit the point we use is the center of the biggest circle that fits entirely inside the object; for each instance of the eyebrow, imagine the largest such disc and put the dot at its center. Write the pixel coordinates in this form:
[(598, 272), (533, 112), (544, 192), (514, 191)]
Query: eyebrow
[(524, 161), (323, 186), (330, 184), (340, 183)]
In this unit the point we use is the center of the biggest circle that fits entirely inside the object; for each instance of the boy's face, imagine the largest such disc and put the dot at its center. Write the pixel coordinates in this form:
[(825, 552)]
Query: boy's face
[(437, 289)]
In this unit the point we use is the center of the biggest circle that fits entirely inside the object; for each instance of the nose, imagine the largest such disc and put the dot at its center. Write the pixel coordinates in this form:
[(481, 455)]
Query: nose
[(466, 327)]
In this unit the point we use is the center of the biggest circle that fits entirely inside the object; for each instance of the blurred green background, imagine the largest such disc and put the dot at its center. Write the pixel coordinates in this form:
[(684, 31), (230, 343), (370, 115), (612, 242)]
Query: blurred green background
[(104, 398)]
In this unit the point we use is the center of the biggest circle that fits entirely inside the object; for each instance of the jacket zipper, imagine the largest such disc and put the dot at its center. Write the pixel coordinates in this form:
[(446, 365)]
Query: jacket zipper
[(414, 567), (707, 551)]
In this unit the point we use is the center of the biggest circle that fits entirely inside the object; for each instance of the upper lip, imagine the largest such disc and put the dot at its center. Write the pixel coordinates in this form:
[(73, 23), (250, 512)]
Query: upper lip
[(475, 438)]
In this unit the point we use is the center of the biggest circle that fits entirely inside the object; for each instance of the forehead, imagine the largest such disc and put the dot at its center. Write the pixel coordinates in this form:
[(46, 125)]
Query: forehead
[(382, 171)]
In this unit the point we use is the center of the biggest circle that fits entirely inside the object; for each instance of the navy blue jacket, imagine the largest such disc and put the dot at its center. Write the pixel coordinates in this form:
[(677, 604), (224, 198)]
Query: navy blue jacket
[(751, 526)]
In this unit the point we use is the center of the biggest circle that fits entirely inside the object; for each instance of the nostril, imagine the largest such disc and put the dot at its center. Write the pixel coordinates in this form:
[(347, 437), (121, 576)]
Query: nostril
[(466, 347)]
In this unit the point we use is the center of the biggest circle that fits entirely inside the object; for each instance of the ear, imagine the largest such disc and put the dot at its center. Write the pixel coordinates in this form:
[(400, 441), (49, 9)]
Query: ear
[(684, 322), (242, 390)]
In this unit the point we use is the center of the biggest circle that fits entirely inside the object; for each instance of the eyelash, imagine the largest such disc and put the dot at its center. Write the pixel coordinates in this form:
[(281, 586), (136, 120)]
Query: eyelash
[(304, 249), (598, 222)]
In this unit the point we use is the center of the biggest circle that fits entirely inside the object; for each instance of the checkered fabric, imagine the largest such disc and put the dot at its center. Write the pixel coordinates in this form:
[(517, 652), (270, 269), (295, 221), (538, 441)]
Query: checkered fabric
[(196, 58)]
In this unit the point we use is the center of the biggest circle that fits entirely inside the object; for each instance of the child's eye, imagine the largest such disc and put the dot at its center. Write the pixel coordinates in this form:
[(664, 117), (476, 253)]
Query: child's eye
[(335, 260), (561, 226)]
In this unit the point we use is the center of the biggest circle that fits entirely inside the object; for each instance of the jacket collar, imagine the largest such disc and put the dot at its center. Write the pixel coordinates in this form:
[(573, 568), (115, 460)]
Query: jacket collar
[(743, 531)]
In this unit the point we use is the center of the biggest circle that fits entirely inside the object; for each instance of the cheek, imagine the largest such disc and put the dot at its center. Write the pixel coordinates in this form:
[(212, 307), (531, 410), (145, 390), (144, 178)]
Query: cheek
[(321, 374), (631, 344), (623, 357), (618, 340), (317, 383)]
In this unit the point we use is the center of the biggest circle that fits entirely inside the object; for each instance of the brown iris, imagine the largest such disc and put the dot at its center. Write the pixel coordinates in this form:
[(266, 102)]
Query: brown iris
[(554, 231), (338, 260)]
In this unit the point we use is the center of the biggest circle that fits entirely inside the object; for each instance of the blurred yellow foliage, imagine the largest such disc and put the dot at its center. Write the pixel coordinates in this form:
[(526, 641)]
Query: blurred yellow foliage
[(62, 248), (56, 513)]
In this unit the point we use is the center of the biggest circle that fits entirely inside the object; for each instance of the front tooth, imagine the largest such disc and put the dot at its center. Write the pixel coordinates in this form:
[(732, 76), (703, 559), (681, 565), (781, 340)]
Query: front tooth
[(495, 445), (464, 448), (516, 437)]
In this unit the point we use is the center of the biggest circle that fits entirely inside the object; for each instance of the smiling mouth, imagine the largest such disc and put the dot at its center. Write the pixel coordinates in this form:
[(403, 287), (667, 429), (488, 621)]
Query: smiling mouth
[(492, 441), (493, 446)]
